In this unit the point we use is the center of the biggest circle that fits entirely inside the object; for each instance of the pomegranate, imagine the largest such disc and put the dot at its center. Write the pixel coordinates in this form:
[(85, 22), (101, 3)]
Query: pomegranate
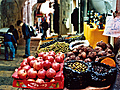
[(46, 64), (32, 62), (41, 54), (61, 54), (31, 80), (30, 58), (52, 53), (38, 65), (22, 74), (23, 64), (45, 55), (61, 66), (50, 58), (32, 73), (24, 60), (58, 76), (39, 59), (59, 59), (41, 73), (40, 80), (50, 73), (27, 67), (56, 66)]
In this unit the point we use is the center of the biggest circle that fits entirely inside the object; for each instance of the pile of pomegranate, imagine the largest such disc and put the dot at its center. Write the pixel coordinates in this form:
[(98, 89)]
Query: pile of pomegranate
[(47, 67)]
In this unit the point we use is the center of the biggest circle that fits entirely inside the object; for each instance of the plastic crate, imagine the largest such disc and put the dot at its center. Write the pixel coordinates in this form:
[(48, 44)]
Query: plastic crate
[(34, 85)]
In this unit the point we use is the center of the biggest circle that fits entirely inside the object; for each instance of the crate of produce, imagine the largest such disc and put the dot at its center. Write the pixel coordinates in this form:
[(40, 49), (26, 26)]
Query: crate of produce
[(42, 72), (36, 85), (77, 74)]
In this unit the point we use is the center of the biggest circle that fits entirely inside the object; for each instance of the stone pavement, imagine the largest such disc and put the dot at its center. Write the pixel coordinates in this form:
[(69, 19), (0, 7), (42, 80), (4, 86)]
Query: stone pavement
[(7, 69)]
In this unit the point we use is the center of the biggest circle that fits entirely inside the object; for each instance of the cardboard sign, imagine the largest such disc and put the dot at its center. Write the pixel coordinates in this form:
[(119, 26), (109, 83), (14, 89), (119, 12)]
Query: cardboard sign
[(112, 27)]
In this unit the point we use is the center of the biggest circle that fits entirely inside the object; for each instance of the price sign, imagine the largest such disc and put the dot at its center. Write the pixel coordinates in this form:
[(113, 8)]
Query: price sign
[(112, 27)]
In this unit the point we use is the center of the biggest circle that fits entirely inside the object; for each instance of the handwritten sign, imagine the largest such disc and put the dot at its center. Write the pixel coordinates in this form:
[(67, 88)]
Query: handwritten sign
[(112, 27)]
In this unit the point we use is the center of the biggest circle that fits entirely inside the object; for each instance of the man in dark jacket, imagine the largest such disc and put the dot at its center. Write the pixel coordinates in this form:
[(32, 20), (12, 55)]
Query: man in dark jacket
[(26, 33), (8, 42), (15, 33), (74, 19), (45, 28)]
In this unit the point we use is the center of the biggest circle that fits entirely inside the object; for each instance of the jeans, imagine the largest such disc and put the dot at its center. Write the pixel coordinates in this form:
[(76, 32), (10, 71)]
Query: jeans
[(12, 50), (27, 48)]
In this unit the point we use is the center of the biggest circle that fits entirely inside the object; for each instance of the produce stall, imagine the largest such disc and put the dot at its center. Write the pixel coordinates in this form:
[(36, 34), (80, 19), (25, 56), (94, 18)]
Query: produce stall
[(68, 63)]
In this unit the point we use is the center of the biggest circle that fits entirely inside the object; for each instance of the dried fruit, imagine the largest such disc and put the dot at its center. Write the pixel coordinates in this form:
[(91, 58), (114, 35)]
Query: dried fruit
[(109, 61)]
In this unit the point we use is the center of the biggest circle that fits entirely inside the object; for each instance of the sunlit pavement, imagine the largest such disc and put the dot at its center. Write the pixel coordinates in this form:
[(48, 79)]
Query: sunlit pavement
[(7, 69)]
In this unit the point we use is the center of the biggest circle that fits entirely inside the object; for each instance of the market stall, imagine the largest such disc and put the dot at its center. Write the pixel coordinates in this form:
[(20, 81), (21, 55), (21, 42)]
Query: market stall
[(62, 64)]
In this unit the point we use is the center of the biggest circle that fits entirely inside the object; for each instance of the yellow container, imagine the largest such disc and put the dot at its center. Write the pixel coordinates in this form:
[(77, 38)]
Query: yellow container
[(85, 30), (94, 35)]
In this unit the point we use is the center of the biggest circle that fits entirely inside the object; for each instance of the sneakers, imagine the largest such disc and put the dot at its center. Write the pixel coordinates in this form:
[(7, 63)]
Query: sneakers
[(24, 56)]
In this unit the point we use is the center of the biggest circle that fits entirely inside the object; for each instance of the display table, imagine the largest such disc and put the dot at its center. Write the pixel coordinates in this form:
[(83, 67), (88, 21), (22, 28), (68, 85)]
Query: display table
[(94, 35)]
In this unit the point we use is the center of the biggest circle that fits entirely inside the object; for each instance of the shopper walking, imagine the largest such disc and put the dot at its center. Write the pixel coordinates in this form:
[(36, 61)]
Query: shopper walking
[(45, 28), (40, 27), (8, 43), (26, 34), (15, 33)]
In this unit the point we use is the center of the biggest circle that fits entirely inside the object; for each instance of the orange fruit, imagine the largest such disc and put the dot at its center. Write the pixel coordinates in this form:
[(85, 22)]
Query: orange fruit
[(109, 61)]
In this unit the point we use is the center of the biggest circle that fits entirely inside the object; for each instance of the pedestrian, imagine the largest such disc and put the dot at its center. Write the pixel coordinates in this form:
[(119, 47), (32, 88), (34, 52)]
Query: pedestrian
[(40, 28), (45, 28), (27, 37), (15, 33), (8, 43), (74, 19)]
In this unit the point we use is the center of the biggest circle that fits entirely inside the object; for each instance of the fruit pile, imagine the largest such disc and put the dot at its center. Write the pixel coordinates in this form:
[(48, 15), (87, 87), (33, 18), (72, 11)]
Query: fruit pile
[(88, 54), (47, 67), (56, 47)]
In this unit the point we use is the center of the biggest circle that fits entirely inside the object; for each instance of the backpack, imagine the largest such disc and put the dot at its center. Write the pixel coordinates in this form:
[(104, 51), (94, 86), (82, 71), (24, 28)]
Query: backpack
[(32, 31)]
